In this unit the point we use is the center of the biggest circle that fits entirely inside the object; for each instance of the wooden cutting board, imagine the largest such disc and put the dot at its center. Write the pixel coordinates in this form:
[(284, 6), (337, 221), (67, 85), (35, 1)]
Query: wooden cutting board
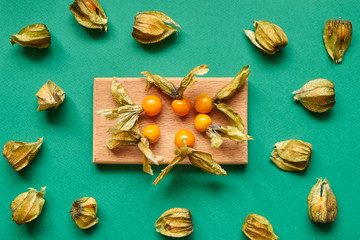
[(169, 123)]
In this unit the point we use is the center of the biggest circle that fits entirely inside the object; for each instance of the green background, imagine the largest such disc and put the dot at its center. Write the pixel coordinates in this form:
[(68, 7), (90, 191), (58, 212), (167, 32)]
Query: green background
[(128, 204)]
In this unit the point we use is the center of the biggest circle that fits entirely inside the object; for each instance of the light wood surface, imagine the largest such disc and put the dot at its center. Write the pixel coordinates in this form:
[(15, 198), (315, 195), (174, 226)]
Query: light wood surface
[(169, 123)]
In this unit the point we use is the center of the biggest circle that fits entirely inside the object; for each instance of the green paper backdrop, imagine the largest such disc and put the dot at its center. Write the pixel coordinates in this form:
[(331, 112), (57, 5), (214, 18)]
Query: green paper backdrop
[(212, 33)]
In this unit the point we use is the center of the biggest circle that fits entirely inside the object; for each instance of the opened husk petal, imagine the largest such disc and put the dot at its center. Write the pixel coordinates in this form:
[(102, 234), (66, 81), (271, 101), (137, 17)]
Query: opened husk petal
[(175, 222), (20, 154), (125, 138), (206, 162), (36, 35), (126, 116), (168, 87), (198, 159), (27, 206), (50, 95), (233, 117), (119, 93), (229, 90), (190, 79)]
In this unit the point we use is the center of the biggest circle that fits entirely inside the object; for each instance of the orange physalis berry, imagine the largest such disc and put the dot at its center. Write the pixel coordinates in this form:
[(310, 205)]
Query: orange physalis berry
[(186, 135), (152, 133), (151, 105), (203, 103), (202, 121), (181, 106), (90, 5)]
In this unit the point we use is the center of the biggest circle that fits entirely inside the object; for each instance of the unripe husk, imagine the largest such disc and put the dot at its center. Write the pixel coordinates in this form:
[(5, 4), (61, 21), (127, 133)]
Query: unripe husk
[(292, 155), (268, 37), (337, 37), (27, 206), (36, 35), (257, 227), (175, 222), (322, 204), (83, 212), (151, 27), (317, 95)]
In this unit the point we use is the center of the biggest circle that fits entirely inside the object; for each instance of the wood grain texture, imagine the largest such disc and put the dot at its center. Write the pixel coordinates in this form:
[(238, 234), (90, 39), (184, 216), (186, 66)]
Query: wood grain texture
[(169, 123)]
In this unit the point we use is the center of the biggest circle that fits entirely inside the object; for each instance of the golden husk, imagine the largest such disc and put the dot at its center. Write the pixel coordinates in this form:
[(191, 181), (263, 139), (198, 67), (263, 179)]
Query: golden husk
[(87, 16), (337, 37), (229, 90), (50, 95), (20, 154), (198, 159), (168, 87), (119, 93), (83, 212), (216, 133), (126, 116), (206, 162), (317, 95), (175, 222), (257, 227), (268, 37), (292, 155), (27, 206), (36, 35), (322, 204), (125, 138), (152, 26), (233, 117)]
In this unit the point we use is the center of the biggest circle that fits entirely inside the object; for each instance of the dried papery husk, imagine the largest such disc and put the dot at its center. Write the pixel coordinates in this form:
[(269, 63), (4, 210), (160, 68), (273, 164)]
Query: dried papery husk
[(215, 137), (20, 154), (165, 85), (206, 162), (190, 78), (152, 26), (317, 95), (119, 93), (168, 87), (198, 159), (292, 155), (268, 37), (83, 212), (36, 35), (178, 158), (126, 116), (257, 227), (232, 116), (27, 206), (337, 37), (125, 138), (229, 90), (89, 14), (322, 204), (215, 133), (175, 222), (144, 147), (50, 95)]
